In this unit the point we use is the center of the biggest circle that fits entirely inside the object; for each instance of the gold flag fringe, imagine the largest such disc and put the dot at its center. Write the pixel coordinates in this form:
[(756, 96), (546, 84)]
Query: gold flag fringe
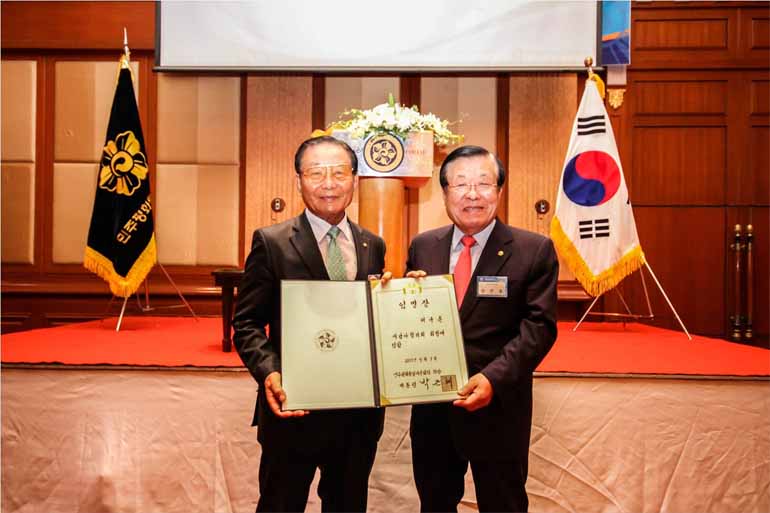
[(595, 285), (122, 287)]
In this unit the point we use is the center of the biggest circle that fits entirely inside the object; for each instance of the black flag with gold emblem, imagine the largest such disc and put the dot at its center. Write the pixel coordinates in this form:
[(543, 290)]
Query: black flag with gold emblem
[(121, 240)]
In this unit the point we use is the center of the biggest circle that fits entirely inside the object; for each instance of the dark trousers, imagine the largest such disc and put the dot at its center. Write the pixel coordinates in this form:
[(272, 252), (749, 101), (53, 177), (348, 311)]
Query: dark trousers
[(439, 473), (285, 476)]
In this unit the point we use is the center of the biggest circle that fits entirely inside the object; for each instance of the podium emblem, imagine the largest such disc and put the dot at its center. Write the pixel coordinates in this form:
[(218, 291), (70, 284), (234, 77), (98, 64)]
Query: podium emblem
[(326, 340), (383, 152)]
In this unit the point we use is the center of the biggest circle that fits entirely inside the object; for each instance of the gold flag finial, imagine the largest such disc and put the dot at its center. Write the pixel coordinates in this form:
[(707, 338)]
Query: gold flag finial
[(588, 62), (125, 59)]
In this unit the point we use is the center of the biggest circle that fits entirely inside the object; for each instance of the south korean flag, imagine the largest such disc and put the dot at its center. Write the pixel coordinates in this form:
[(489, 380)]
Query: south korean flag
[(593, 227)]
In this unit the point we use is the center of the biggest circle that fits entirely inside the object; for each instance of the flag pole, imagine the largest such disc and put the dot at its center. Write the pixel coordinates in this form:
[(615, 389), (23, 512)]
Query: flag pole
[(126, 52), (586, 313), (124, 63), (660, 287), (122, 310)]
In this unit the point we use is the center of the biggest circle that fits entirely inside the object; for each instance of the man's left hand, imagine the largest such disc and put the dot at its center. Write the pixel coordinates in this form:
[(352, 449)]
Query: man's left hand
[(477, 393)]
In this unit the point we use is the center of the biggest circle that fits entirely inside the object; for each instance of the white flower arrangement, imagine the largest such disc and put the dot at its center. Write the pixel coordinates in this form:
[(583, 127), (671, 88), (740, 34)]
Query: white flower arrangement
[(392, 117)]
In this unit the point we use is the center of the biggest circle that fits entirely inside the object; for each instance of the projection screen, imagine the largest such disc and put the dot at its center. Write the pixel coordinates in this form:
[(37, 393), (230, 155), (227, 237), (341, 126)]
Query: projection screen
[(398, 35)]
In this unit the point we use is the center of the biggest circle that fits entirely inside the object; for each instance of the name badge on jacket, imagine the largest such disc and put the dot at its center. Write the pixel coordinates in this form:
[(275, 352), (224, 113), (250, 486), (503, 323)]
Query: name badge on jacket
[(492, 286)]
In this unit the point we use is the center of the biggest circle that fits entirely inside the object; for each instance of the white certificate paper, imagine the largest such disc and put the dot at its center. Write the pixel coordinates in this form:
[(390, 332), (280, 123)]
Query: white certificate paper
[(348, 344), (419, 343)]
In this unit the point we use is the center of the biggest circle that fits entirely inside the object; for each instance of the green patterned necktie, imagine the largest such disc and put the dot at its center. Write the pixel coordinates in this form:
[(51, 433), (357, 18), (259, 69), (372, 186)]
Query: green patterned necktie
[(335, 265)]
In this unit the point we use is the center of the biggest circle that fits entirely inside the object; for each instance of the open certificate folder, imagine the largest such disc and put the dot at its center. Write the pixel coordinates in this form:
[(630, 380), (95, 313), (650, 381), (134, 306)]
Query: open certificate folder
[(355, 344)]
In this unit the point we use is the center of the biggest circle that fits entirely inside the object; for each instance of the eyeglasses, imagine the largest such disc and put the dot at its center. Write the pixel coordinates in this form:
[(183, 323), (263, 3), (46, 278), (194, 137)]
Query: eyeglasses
[(464, 188), (340, 173)]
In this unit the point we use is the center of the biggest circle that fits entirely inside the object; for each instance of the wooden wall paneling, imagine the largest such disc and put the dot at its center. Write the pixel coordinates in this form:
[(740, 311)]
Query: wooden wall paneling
[(319, 102), (755, 31), (542, 108), (748, 170), (736, 165), (671, 94), (685, 248), (148, 113), (43, 156), (244, 239), (20, 114), (197, 188), (683, 38), (759, 164), (502, 126), (44, 176), (757, 122), (13, 321), (699, 35), (681, 139), (748, 182), (279, 116), (77, 25)]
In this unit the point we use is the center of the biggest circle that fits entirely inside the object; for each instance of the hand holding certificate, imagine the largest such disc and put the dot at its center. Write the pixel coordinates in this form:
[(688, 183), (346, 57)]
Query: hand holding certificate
[(359, 344)]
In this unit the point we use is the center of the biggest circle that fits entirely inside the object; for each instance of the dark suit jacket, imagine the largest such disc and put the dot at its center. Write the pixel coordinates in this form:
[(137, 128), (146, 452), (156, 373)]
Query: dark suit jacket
[(505, 338), (289, 251)]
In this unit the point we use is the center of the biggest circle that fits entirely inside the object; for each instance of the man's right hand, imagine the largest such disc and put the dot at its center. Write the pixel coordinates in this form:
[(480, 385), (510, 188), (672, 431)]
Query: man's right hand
[(276, 396)]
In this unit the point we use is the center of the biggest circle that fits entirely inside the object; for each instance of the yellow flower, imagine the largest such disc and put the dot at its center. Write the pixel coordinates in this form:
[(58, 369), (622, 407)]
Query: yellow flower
[(124, 166)]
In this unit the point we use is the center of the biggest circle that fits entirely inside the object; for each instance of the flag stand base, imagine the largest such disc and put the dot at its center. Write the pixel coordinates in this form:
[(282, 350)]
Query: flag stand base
[(628, 315), (144, 308)]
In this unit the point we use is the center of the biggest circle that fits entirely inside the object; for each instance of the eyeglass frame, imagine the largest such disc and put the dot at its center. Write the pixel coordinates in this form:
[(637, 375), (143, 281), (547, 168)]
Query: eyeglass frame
[(481, 188), (328, 171)]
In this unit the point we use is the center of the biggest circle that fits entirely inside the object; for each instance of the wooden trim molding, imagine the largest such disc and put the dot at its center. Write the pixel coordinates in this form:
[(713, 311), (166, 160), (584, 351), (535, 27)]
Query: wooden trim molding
[(95, 25)]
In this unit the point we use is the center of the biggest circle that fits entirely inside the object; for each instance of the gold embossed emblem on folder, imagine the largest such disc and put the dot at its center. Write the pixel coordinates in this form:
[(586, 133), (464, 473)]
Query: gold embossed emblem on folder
[(326, 340)]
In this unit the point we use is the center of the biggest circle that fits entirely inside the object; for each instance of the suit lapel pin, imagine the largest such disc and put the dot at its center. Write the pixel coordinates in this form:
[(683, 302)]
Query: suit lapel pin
[(500, 253), (365, 245)]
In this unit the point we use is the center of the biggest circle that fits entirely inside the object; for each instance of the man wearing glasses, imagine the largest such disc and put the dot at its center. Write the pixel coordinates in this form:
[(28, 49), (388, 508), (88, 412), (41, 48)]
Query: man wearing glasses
[(319, 244), (505, 280)]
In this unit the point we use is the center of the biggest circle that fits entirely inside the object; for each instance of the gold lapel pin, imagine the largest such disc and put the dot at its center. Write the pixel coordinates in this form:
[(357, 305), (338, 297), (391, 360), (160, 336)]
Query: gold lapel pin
[(500, 253), (365, 245)]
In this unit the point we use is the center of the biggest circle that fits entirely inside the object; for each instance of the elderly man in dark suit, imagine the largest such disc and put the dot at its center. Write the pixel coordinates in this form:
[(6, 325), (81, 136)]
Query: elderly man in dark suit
[(505, 280), (320, 244)]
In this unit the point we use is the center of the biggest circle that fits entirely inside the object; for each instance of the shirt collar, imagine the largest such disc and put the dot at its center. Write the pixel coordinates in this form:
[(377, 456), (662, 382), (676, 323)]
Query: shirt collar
[(481, 238), (320, 227)]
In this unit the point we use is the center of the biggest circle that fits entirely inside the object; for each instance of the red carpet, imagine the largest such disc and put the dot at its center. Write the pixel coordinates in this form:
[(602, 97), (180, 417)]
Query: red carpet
[(181, 341), (641, 349), (161, 341)]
